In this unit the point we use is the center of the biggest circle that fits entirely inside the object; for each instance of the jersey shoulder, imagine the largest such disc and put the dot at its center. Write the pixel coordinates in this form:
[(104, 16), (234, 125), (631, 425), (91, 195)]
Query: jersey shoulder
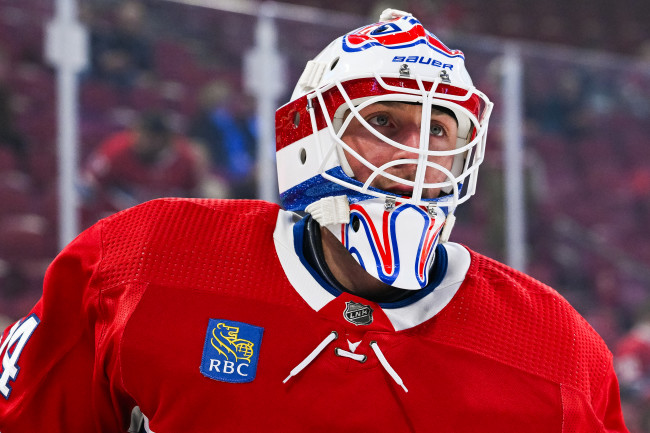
[(184, 239), (511, 317)]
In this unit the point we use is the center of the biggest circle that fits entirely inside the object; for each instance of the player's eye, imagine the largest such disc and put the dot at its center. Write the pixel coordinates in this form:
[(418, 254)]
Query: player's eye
[(437, 130), (379, 120)]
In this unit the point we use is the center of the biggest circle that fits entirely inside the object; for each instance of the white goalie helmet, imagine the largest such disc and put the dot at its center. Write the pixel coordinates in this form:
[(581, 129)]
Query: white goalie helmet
[(393, 236)]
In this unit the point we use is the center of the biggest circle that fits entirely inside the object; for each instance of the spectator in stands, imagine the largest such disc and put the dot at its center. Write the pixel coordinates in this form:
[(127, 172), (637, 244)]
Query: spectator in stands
[(228, 138), (121, 54), (10, 137), (142, 163)]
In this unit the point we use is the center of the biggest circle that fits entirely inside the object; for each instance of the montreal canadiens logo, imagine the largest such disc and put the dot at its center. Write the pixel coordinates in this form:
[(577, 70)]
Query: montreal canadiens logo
[(358, 314), (402, 33)]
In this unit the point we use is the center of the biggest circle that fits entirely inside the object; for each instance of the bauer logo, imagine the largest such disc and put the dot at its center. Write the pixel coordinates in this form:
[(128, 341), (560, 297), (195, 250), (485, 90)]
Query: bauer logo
[(231, 351), (424, 60)]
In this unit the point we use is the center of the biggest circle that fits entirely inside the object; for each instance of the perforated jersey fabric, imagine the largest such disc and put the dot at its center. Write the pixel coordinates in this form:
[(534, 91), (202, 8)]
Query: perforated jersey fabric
[(571, 353), (181, 310)]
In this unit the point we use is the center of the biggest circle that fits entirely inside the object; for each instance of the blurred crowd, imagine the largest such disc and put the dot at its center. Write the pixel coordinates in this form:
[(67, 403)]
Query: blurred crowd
[(164, 113)]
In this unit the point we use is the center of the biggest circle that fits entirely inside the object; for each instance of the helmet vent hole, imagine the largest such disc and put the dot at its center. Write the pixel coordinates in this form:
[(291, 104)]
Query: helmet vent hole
[(303, 156), (296, 119), (334, 63), (355, 223)]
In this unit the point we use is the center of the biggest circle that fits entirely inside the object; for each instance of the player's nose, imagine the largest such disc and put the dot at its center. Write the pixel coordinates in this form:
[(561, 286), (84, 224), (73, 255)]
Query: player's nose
[(409, 136)]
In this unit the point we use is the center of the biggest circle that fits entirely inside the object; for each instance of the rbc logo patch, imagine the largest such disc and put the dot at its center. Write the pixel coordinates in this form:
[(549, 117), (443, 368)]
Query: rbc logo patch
[(231, 351)]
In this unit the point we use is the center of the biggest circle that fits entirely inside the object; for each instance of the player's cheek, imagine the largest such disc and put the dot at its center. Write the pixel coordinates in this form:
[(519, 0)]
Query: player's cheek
[(435, 175)]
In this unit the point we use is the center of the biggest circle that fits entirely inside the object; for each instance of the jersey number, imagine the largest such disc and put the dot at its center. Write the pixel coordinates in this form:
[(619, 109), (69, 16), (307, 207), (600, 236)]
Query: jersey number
[(14, 344)]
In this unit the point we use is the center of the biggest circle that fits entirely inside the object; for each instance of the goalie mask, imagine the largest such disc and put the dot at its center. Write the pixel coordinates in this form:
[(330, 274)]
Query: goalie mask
[(391, 213)]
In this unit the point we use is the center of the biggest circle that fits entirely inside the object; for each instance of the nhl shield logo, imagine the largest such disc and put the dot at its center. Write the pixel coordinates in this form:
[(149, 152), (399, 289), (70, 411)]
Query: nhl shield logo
[(357, 313)]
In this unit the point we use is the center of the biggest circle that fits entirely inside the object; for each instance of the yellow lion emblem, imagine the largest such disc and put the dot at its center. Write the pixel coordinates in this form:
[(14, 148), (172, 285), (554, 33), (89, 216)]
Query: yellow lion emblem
[(225, 339)]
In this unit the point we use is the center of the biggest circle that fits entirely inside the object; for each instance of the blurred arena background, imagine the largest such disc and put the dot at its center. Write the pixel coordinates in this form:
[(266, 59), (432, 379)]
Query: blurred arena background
[(570, 80)]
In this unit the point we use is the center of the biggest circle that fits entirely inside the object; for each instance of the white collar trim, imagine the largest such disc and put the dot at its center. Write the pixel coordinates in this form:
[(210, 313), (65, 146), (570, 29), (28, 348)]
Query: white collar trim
[(299, 277), (402, 318)]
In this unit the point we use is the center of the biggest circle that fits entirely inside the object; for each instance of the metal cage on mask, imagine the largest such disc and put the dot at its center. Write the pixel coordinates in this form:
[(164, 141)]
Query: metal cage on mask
[(314, 125)]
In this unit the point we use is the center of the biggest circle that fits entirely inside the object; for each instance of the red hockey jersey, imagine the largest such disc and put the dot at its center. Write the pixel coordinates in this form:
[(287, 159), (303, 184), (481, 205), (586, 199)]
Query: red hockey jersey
[(203, 316)]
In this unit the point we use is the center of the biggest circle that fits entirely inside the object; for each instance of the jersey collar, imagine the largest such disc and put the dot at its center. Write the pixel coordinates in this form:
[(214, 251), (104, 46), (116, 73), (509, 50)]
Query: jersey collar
[(448, 272)]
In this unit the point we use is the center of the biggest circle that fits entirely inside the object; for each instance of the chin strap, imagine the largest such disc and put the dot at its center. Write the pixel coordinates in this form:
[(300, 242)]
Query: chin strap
[(446, 229), (330, 210)]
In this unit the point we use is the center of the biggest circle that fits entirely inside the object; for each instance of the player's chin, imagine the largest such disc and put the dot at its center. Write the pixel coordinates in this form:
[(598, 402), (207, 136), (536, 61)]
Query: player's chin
[(405, 191), (397, 189), (431, 193)]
